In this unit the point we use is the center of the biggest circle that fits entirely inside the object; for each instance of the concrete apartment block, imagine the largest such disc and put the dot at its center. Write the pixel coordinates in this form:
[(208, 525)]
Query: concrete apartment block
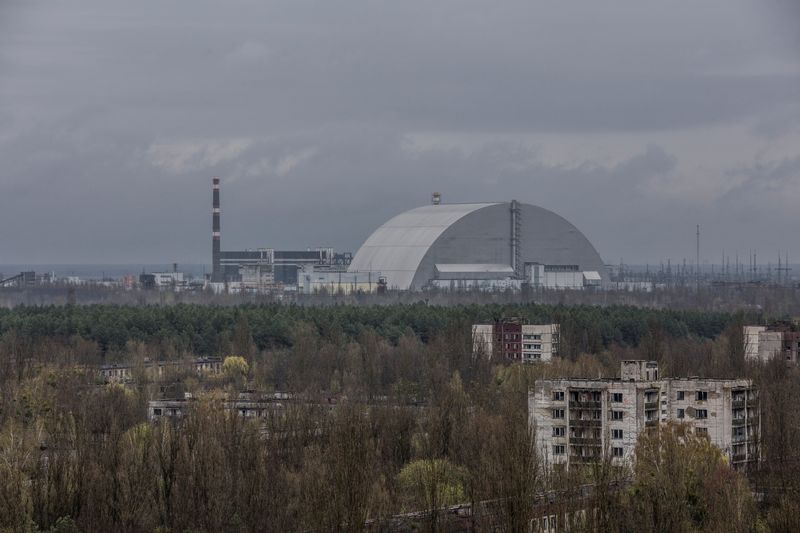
[(578, 421), (515, 340)]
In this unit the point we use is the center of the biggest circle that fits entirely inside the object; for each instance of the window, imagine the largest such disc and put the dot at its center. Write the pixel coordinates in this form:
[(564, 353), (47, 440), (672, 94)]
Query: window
[(559, 449), (701, 431), (157, 412), (701, 396), (558, 396), (558, 413), (616, 434), (616, 452), (616, 415), (701, 413), (616, 397), (680, 395), (559, 431), (537, 346), (681, 413)]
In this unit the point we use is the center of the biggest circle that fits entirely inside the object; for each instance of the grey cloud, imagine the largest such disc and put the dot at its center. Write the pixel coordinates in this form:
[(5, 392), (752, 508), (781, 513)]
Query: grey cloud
[(778, 122), (114, 115)]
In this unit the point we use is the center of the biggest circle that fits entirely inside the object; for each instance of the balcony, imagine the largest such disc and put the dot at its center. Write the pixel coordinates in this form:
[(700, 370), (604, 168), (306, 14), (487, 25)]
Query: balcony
[(588, 404), (649, 406), (740, 458), (651, 423), (738, 404), (586, 423), (738, 421), (584, 441), (584, 458)]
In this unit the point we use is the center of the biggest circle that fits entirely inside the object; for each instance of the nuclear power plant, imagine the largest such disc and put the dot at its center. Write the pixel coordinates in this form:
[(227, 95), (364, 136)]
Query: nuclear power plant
[(476, 246), (503, 245), (266, 268)]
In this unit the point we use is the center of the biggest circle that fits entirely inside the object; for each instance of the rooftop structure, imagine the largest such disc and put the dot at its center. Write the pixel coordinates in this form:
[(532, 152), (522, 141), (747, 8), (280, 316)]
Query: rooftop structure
[(478, 246), (578, 421)]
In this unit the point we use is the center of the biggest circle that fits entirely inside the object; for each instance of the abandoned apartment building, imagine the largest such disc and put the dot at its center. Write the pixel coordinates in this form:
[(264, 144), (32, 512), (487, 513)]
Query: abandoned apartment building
[(248, 404), (516, 340), (578, 421), (158, 370), (762, 343)]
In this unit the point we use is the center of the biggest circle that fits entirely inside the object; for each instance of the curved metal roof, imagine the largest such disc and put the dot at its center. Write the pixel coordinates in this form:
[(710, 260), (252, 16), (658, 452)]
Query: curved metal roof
[(397, 248), (408, 248)]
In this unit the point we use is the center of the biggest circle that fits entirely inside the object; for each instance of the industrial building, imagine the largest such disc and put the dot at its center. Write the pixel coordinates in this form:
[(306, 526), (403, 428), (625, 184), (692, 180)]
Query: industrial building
[(311, 281), (480, 246), (578, 421), (163, 280), (515, 340), (264, 269), (763, 343), (23, 279)]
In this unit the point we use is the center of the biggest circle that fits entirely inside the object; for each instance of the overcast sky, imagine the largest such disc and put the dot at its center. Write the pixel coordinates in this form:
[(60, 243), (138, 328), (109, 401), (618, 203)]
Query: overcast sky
[(635, 120)]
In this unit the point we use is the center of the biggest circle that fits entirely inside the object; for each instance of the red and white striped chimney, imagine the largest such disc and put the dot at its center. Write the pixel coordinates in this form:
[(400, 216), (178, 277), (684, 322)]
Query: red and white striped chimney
[(216, 273)]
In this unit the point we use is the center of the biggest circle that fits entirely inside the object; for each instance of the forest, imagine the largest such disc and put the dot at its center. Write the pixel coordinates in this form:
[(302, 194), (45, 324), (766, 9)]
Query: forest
[(418, 422)]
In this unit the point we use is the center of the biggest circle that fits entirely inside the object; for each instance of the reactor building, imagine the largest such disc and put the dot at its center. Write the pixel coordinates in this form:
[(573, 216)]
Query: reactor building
[(480, 246), (263, 269)]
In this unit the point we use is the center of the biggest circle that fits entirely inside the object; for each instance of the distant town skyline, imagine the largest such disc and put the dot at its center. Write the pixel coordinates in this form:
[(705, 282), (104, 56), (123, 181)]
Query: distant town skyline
[(633, 122)]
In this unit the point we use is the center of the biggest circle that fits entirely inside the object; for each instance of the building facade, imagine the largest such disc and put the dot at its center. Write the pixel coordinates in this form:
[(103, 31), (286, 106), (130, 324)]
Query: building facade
[(313, 281), (763, 343), (156, 370), (245, 404), (515, 340), (578, 421)]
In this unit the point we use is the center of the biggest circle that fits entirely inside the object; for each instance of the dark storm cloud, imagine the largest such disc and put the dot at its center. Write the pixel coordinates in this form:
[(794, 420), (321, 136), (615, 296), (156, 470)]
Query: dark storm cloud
[(114, 115)]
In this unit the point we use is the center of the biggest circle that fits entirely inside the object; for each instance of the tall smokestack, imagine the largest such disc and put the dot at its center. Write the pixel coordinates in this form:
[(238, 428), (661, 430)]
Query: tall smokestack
[(216, 273)]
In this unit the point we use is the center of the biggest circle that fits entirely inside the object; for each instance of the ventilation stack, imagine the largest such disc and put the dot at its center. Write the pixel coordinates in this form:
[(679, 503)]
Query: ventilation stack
[(216, 273)]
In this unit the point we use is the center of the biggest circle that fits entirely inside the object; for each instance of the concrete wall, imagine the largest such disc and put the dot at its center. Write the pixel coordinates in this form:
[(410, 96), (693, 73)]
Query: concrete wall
[(751, 338)]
